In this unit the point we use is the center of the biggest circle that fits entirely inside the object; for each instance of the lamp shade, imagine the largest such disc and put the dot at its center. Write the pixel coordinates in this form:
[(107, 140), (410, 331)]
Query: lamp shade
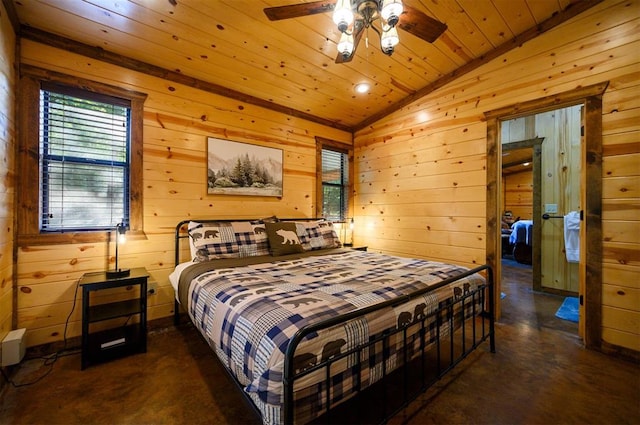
[(343, 15), (391, 11), (345, 45), (389, 40)]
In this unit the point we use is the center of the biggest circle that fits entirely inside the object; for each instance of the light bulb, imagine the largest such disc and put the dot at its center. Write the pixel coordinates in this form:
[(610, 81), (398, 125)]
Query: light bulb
[(345, 45), (343, 15), (391, 11), (389, 40), (362, 87)]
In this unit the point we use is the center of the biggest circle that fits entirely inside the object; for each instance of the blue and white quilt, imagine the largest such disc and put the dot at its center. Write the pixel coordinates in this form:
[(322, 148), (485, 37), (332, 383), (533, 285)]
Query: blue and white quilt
[(248, 314)]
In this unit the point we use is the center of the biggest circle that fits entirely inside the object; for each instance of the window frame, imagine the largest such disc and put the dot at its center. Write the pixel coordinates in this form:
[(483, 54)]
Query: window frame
[(322, 143), (28, 199)]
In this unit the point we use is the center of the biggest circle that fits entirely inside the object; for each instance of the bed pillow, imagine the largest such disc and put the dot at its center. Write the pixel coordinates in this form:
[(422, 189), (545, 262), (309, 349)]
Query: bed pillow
[(317, 235), (283, 238), (214, 240), (192, 246), (328, 235), (251, 238)]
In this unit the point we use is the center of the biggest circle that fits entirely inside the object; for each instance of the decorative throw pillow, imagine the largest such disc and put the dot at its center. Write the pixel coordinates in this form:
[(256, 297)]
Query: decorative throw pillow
[(283, 238)]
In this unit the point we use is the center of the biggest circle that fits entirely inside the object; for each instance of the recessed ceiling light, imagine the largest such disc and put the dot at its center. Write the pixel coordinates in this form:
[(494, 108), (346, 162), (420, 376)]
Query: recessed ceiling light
[(362, 87)]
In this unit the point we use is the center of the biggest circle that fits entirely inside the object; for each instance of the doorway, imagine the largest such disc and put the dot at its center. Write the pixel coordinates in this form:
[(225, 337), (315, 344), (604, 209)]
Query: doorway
[(590, 265), (537, 281)]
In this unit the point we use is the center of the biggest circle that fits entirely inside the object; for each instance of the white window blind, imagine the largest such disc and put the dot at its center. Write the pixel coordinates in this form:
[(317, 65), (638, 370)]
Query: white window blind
[(84, 151), (335, 184)]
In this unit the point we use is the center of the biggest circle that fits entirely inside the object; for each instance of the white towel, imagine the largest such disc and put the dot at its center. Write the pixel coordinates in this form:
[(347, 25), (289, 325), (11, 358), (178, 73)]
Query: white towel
[(572, 236)]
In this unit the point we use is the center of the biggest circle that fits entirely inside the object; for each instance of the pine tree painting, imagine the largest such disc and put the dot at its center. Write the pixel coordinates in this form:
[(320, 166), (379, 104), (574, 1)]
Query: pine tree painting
[(235, 168)]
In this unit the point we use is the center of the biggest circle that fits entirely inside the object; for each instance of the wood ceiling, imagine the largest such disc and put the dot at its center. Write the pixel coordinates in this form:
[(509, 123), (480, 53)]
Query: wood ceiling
[(231, 48), (517, 161)]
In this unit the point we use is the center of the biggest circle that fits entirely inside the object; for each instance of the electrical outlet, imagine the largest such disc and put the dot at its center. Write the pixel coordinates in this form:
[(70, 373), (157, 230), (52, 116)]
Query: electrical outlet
[(152, 288)]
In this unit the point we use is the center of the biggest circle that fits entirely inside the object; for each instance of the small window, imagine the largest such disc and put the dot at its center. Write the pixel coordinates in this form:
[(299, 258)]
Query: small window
[(84, 145), (335, 184)]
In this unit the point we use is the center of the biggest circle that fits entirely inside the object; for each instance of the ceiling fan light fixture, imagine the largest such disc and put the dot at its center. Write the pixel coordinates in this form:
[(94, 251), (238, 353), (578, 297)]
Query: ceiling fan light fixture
[(343, 15), (346, 45), (389, 40), (391, 11)]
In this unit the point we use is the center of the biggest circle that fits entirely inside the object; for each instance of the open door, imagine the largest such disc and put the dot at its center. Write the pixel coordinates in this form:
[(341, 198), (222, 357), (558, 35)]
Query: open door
[(561, 194), (590, 266)]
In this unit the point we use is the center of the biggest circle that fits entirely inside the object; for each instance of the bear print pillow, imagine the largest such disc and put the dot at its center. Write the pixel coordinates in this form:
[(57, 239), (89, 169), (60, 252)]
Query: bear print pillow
[(283, 238)]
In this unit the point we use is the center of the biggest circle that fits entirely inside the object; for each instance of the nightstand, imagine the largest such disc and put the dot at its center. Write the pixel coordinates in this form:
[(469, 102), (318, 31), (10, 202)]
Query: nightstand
[(113, 340)]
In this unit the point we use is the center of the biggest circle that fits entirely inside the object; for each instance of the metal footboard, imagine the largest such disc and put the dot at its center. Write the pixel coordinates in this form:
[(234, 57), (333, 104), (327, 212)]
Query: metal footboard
[(457, 318)]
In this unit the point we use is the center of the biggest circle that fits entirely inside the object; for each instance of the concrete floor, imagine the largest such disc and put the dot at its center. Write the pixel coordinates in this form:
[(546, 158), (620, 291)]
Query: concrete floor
[(540, 374)]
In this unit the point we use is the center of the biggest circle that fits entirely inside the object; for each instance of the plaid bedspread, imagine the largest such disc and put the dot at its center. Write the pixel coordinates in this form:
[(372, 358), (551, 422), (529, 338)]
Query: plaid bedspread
[(248, 314)]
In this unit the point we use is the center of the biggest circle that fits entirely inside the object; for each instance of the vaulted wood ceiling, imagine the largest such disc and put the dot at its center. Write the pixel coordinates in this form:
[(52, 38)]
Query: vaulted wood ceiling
[(230, 47)]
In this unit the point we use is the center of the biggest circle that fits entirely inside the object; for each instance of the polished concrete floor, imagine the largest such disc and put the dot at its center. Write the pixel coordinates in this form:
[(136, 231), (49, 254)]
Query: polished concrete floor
[(540, 374)]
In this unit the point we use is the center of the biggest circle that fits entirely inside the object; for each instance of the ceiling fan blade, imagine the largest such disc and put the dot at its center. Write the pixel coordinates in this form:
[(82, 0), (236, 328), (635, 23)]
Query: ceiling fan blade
[(297, 10), (356, 40), (422, 26)]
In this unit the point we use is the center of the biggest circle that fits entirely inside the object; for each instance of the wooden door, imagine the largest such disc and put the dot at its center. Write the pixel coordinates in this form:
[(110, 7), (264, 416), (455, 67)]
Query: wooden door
[(560, 194)]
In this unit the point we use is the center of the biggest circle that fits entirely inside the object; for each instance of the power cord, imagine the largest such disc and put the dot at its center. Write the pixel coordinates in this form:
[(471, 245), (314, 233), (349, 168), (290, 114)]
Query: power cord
[(50, 359)]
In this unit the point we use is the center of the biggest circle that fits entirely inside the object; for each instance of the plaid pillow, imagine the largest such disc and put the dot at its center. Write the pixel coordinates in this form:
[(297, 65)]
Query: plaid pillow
[(210, 241), (251, 238), (213, 241), (317, 235), (329, 235)]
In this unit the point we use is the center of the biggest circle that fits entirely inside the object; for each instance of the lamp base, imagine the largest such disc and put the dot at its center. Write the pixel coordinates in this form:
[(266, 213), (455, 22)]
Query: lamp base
[(116, 274)]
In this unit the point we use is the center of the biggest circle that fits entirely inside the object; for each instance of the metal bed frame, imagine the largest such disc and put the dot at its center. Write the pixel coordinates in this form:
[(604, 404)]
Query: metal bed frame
[(448, 354)]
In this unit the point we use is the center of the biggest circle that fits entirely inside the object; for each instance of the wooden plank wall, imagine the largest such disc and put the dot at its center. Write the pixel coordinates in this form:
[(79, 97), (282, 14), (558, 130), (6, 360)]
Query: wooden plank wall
[(518, 194), (7, 168), (420, 172), (177, 121)]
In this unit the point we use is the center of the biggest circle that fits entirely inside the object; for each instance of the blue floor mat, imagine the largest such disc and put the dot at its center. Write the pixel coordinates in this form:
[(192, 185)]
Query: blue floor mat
[(569, 310)]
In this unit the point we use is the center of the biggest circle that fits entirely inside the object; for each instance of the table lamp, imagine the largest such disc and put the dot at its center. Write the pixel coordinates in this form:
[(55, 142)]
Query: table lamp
[(121, 237)]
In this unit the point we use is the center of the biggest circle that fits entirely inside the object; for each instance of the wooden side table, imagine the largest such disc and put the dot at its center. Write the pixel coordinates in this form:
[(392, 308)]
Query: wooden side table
[(117, 341)]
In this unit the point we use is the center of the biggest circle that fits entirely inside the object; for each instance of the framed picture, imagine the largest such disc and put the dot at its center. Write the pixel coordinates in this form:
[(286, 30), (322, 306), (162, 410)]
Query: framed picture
[(235, 168)]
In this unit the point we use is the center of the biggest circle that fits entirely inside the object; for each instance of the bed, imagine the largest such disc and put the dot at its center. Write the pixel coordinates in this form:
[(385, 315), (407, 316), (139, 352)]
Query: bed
[(521, 238), (304, 325)]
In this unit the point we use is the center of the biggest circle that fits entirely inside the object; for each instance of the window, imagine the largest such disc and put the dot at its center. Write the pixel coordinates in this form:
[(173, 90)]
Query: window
[(82, 147), (335, 182)]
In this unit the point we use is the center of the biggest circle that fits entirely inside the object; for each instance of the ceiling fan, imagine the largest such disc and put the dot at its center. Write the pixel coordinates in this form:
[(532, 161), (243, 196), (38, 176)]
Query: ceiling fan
[(354, 17)]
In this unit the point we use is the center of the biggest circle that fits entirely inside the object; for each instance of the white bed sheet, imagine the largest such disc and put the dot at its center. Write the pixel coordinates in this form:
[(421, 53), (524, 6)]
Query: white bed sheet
[(174, 277)]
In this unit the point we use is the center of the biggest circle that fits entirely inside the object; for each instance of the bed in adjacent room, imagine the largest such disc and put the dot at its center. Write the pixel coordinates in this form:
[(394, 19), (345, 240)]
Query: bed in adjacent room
[(291, 314), (521, 238)]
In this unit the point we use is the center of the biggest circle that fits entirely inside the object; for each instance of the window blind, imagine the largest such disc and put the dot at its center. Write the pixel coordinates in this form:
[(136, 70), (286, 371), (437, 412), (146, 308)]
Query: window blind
[(335, 183), (84, 154)]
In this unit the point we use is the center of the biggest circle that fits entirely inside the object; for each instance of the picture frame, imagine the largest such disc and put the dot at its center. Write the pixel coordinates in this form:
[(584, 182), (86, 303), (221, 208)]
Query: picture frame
[(237, 168)]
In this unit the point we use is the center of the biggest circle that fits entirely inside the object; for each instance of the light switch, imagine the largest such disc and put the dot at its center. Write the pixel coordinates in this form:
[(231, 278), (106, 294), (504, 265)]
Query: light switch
[(551, 208)]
